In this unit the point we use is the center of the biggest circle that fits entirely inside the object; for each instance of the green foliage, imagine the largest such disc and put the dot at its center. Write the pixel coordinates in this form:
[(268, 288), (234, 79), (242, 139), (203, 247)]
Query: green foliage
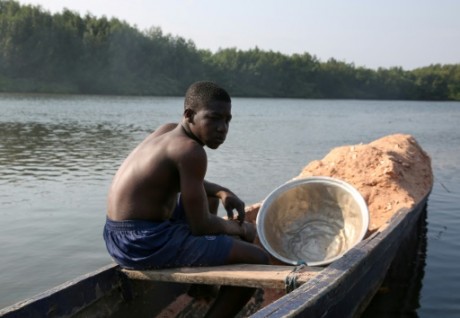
[(67, 53)]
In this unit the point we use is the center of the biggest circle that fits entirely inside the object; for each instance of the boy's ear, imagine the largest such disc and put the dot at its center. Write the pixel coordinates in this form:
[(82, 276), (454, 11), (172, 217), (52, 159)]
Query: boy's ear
[(188, 114)]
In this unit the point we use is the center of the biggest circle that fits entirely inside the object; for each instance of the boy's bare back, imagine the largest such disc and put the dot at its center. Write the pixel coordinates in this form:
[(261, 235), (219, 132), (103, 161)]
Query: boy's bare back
[(147, 183)]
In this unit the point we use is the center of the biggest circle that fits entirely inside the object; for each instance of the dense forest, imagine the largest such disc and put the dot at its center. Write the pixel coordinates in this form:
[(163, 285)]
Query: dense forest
[(68, 53)]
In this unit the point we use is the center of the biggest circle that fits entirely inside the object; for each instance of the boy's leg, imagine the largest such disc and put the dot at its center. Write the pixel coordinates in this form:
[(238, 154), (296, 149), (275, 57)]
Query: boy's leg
[(213, 204), (230, 299)]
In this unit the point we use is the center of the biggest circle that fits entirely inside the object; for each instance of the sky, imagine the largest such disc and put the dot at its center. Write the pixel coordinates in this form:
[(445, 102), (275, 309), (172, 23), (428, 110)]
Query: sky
[(368, 33)]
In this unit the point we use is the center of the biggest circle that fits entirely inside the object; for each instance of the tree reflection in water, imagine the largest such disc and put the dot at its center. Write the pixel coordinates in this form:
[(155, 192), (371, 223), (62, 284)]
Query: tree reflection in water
[(45, 151)]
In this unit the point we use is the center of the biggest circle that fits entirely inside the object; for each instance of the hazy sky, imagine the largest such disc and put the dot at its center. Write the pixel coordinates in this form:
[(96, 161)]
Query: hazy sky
[(370, 33)]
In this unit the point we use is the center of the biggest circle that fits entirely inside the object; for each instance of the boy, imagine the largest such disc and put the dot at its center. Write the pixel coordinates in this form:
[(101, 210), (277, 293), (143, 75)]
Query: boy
[(159, 212)]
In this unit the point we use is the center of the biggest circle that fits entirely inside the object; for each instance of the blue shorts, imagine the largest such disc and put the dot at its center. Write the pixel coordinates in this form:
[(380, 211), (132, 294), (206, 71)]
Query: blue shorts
[(140, 244)]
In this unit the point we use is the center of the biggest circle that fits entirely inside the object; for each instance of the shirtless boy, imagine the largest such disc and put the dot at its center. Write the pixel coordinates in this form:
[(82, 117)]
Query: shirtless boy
[(159, 211)]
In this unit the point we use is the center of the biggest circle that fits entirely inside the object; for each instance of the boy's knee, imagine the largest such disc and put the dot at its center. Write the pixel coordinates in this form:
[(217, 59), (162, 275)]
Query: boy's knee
[(263, 257), (243, 252)]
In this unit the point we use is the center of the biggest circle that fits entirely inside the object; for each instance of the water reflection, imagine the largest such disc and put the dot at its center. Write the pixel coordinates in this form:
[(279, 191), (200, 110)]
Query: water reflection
[(399, 295), (61, 151)]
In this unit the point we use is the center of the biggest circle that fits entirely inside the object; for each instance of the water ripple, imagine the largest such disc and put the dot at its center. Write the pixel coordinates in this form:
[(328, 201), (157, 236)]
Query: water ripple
[(61, 152)]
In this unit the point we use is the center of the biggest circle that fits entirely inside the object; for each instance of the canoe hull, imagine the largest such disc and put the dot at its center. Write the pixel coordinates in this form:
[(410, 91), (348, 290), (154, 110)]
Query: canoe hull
[(343, 289)]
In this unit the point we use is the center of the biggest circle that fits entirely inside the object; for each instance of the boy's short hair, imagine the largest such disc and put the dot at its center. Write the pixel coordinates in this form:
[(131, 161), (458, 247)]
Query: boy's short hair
[(202, 93)]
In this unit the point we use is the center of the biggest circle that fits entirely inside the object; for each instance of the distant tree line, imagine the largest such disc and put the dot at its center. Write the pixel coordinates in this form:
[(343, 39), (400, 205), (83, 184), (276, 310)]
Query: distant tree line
[(68, 53)]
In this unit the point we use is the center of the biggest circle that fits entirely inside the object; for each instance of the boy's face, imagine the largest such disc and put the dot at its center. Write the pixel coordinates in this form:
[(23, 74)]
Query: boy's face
[(211, 123)]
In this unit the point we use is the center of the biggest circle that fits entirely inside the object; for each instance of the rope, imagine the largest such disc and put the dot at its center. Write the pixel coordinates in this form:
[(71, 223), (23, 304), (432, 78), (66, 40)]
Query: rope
[(290, 282)]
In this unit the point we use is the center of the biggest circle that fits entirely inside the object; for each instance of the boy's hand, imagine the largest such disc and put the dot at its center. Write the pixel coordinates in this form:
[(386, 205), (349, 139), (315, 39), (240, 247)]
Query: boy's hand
[(231, 202)]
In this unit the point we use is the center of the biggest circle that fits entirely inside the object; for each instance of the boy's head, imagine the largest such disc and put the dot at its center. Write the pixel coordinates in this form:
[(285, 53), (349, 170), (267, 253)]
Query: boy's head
[(203, 93), (207, 113)]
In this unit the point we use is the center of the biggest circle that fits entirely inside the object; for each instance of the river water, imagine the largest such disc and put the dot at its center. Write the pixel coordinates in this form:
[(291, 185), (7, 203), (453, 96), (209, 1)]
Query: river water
[(59, 153)]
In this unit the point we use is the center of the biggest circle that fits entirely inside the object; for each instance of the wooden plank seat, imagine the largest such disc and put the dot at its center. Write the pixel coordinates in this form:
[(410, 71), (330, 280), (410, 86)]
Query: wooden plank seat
[(247, 275)]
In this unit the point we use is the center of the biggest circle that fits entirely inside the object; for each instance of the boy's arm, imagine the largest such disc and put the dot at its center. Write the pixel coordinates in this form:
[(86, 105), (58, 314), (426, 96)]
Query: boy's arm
[(194, 198), (229, 200)]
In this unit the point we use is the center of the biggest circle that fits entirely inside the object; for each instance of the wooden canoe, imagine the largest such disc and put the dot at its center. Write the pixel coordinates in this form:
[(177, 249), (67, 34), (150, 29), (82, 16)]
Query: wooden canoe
[(342, 289)]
